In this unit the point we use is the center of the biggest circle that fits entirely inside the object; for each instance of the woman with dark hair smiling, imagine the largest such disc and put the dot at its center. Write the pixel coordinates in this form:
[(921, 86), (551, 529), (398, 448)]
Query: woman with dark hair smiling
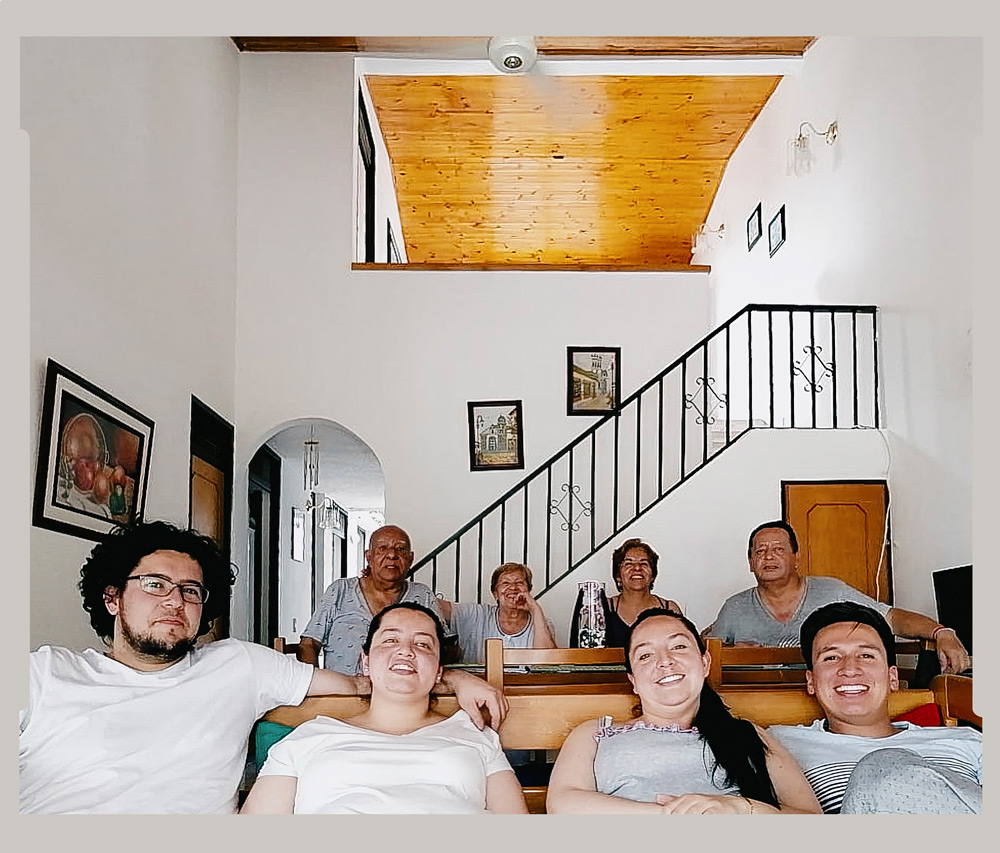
[(398, 756), (685, 753), (633, 568)]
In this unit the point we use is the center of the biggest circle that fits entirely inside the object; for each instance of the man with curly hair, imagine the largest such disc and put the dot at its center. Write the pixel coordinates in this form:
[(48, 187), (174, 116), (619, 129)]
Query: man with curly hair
[(155, 723)]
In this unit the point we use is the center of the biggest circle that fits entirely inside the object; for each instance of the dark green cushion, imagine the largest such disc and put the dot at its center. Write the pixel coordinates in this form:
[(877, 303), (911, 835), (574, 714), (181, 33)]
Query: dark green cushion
[(266, 735)]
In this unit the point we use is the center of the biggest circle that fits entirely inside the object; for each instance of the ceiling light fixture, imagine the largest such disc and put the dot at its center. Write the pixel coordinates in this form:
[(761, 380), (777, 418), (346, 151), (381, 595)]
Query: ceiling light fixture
[(800, 157), (512, 54)]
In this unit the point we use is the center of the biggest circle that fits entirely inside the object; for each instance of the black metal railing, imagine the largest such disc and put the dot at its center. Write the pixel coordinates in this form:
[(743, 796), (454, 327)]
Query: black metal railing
[(767, 367)]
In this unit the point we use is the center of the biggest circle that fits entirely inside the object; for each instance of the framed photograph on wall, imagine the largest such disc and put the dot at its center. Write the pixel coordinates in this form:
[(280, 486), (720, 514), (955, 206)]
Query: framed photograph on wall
[(593, 380), (495, 435), (754, 227), (776, 230), (93, 458), (298, 534)]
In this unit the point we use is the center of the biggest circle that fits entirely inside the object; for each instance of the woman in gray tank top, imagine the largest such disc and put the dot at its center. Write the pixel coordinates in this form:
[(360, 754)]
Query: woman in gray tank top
[(685, 753)]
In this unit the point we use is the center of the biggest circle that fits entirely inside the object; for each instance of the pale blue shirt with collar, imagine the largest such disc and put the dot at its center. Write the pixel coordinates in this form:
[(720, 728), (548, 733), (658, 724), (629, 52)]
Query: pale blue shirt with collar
[(340, 623)]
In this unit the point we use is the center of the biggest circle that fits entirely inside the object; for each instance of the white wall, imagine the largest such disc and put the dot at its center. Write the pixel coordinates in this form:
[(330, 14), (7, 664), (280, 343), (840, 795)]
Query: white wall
[(132, 249), (700, 530), (884, 219), (415, 346), (134, 241)]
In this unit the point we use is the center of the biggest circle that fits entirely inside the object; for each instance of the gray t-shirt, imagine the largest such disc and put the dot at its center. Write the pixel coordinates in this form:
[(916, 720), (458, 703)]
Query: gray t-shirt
[(745, 619), (476, 623), (637, 761), (341, 621)]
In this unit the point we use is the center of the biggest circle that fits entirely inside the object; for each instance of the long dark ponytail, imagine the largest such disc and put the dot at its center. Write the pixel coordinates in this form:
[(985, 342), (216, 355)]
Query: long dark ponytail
[(735, 744)]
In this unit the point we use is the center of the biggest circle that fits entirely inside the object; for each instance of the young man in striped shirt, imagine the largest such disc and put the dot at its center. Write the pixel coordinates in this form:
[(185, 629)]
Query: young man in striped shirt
[(856, 759)]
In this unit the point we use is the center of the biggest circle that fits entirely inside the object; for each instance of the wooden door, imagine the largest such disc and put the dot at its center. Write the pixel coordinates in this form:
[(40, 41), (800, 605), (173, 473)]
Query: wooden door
[(841, 528), (208, 499)]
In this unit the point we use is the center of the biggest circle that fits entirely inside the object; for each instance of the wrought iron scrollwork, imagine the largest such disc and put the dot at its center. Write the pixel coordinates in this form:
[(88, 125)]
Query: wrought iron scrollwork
[(813, 356), (570, 497), (716, 400)]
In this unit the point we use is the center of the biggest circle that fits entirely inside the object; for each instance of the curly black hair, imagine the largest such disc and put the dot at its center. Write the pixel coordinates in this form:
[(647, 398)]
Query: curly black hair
[(114, 559)]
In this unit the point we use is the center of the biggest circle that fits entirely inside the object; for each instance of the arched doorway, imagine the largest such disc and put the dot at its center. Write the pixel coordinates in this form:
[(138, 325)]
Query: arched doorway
[(300, 537)]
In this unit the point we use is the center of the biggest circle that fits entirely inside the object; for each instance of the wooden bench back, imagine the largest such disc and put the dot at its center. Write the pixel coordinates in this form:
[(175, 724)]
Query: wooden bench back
[(724, 658), (542, 720), (497, 657)]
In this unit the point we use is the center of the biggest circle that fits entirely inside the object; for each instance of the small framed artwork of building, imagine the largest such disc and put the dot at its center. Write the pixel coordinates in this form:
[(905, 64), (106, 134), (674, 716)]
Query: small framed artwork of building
[(593, 380), (495, 435)]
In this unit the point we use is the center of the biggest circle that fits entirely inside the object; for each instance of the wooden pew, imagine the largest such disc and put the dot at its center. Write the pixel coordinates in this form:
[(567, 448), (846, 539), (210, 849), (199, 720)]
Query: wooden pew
[(780, 665), (497, 657), (542, 720)]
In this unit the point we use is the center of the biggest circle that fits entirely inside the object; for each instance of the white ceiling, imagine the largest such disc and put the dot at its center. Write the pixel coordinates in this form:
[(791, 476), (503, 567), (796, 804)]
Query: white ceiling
[(349, 471)]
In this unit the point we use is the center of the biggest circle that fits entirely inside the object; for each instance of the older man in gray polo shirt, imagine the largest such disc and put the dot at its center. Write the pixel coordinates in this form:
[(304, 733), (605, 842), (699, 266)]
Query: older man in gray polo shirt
[(772, 613)]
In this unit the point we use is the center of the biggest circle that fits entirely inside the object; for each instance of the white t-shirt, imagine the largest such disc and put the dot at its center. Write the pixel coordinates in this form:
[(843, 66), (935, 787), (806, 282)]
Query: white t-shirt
[(343, 769), (100, 737)]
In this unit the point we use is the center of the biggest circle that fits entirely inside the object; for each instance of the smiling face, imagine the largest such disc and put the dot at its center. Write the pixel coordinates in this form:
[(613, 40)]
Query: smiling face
[(851, 679), (636, 570), (151, 631), (405, 655), (668, 668), (389, 555), (771, 556), (511, 589)]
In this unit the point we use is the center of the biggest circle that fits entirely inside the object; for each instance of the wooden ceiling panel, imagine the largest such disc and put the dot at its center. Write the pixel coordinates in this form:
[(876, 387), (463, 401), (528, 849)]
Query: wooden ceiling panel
[(546, 169)]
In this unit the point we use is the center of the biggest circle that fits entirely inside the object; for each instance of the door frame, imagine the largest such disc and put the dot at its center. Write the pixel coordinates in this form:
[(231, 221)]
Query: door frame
[(212, 439), (264, 474)]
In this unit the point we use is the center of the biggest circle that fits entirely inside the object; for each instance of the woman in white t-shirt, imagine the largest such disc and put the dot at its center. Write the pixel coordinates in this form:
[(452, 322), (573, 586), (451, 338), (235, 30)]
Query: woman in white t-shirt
[(398, 756)]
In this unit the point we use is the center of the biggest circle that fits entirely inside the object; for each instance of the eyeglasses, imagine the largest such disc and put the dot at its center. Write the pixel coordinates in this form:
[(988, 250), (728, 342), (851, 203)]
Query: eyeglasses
[(399, 550), (192, 593)]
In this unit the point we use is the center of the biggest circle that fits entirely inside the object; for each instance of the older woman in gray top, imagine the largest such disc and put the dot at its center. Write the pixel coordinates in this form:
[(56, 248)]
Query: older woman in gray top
[(685, 753)]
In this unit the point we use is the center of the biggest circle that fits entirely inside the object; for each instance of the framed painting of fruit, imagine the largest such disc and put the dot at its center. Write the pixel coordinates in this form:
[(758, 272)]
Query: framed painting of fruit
[(93, 458)]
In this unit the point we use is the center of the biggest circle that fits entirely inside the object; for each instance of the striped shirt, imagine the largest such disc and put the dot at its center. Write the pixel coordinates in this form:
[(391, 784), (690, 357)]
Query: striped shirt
[(828, 759)]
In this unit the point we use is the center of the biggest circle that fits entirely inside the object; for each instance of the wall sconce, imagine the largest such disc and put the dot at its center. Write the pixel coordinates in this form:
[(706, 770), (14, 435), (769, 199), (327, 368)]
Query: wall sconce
[(329, 512), (700, 239), (310, 462), (800, 157)]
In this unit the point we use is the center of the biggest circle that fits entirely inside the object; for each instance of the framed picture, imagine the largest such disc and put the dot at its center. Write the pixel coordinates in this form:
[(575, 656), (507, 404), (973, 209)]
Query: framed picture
[(776, 230), (754, 227), (495, 436), (93, 458), (593, 380), (298, 534)]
